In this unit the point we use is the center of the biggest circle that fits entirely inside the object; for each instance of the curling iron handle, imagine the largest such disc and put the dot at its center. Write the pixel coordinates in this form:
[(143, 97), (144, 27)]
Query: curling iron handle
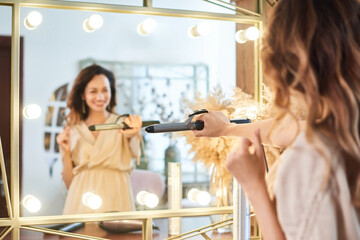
[(199, 125)]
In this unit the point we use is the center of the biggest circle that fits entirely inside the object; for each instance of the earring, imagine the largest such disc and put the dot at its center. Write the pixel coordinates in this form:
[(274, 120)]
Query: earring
[(83, 107)]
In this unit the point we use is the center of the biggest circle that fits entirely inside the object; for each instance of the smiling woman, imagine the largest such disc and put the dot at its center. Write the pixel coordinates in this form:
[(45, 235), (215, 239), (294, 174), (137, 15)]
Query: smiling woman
[(97, 162)]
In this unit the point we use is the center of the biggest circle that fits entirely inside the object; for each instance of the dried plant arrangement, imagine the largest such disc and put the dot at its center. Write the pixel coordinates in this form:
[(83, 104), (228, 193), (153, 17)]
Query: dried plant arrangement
[(212, 152)]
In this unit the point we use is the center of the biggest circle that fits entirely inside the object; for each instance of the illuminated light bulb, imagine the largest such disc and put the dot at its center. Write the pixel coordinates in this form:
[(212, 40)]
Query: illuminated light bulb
[(252, 34), (197, 196), (191, 195), (148, 199), (93, 23), (147, 26), (203, 198), (151, 200), (140, 197), (91, 200), (240, 36), (32, 111), (33, 20), (31, 203), (201, 30)]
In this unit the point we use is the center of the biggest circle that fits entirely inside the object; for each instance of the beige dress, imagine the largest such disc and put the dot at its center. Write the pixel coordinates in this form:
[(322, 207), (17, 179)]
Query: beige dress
[(307, 207), (102, 166)]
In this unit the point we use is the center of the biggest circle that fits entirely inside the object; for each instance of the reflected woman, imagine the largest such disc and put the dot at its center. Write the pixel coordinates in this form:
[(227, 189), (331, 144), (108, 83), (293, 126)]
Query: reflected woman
[(97, 162)]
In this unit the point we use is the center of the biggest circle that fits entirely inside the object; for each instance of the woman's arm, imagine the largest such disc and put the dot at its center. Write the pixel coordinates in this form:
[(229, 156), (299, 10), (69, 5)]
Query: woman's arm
[(63, 139), (249, 170), (217, 124), (67, 173)]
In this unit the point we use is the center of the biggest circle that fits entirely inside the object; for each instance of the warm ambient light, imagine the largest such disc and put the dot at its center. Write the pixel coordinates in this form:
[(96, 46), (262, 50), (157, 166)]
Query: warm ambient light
[(201, 30), (91, 200), (148, 199), (93, 23), (31, 203), (32, 111), (32, 20), (201, 197), (252, 34), (147, 27)]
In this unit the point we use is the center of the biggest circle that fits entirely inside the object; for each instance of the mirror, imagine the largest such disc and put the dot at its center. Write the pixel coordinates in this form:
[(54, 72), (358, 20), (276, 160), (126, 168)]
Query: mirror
[(56, 50)]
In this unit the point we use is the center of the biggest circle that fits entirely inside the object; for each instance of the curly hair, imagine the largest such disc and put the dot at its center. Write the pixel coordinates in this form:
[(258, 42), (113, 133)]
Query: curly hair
[(75, 100), (312, 50)]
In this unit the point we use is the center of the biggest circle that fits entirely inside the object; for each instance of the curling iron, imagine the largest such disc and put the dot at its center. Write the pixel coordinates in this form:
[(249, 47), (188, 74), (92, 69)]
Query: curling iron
[(118, 124), (193, 125), (189, 124)]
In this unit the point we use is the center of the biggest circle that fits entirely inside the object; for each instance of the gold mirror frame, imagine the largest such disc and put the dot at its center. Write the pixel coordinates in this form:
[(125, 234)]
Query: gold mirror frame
[(15, 222)]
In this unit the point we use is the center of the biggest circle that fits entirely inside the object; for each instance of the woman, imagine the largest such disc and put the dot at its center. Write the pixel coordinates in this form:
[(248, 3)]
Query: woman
[(98, 162), (311, 52)]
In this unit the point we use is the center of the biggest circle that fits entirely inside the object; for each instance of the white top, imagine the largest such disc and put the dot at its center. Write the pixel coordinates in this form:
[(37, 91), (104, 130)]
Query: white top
[(308, 207)]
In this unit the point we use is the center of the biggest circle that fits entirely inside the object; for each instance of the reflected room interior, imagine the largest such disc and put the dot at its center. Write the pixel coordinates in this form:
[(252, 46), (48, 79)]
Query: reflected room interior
[(160, 64)]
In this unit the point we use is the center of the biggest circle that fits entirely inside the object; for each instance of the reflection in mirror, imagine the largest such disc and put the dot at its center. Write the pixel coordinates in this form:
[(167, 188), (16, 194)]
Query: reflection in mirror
[(166, 60)]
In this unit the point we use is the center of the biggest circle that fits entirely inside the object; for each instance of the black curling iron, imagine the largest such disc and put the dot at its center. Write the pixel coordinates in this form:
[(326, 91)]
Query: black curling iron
[(189, 124), (118, 124)]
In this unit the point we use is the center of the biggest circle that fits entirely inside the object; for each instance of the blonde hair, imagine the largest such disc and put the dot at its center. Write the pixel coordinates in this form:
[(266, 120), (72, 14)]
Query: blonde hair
[(312, 48)]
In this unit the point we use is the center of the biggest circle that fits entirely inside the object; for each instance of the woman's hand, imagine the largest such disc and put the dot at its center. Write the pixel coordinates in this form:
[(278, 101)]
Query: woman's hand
[(248, 167), (133, 121), (63, 139), (214, 124)]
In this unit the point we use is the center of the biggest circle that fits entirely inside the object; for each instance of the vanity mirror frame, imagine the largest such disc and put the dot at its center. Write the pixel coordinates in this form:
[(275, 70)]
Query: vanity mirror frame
[(15, 222)]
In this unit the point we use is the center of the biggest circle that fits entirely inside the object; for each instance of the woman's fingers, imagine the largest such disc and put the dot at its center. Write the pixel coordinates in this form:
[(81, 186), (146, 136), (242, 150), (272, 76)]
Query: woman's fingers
[(63, 139), (133, 121)]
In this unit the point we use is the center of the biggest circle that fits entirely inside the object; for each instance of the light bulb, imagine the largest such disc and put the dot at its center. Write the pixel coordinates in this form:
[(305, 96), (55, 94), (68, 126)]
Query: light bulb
[(148, 199), (200, 30), (147, 26), (93, 23), (96, 21), (32, 111), (91, 200), (203, 198), (31, 203), (151, 200), (252, 33), (140, 197), (33, 20), (191, 195), (240, 36)]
